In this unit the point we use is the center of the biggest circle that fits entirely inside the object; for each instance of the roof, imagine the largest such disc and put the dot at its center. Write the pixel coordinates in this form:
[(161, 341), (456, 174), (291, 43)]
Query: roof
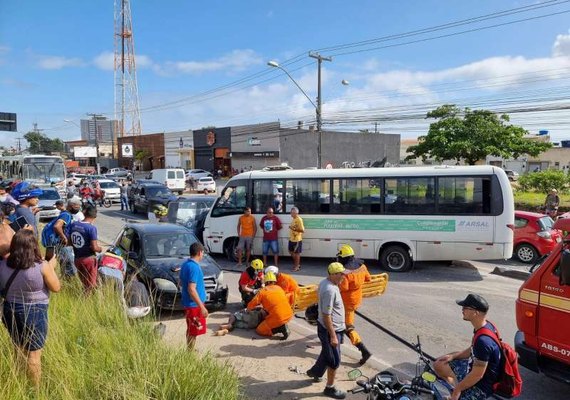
[(529, 214), (162, 227)]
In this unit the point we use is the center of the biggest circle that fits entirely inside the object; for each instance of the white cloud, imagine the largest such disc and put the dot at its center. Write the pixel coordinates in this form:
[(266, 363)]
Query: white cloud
[(106, 61), (235, 61), (58, 62), (561, 46)]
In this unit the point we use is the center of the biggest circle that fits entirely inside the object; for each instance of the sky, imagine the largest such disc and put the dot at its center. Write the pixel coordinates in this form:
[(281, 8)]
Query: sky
[(205, 63)]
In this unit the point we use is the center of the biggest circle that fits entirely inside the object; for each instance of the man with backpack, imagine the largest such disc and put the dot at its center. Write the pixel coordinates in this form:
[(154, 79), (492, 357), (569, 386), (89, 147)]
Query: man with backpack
[(484, 368)]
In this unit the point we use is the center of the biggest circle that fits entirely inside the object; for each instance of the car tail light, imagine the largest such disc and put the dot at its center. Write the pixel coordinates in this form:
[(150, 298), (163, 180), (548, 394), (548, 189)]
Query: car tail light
[(544, 234)]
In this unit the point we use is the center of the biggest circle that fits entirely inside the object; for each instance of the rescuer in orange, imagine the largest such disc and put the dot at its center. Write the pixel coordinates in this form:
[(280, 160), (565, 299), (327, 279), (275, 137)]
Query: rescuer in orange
[(351, 293), (286, 282), (273, 300)]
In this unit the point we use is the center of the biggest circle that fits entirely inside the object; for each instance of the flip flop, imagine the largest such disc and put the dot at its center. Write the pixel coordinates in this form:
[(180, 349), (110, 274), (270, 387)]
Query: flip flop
[(296, 269)]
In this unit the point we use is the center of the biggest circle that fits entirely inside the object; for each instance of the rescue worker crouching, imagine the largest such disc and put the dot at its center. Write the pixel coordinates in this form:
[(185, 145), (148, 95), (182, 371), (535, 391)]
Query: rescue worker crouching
[(251, 280), (159, 214), (285, 282), (351, 293), (273, 301)]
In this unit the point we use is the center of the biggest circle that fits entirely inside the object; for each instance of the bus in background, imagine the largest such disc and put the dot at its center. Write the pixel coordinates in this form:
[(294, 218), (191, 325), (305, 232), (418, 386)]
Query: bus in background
[(394, 215)]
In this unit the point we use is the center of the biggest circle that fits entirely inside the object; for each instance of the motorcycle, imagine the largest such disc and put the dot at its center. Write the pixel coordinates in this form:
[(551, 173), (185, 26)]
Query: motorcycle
[(387, 386)]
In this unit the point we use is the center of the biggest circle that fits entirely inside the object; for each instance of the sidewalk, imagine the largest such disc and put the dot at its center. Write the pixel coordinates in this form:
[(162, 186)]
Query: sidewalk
[(270, 368)]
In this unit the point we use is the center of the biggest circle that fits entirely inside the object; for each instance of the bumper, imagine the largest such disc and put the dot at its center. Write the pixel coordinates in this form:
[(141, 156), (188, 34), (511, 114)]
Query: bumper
[(528, 357), (49, 213), (173, 300)]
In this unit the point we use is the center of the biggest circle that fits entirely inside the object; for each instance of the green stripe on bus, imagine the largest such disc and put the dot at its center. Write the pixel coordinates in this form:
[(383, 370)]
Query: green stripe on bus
[(441, 225)]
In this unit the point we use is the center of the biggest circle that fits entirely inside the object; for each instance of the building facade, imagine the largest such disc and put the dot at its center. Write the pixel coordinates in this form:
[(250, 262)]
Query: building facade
[(179, 149), (212, 149), (255, 146), (98, 129), (145, 152)]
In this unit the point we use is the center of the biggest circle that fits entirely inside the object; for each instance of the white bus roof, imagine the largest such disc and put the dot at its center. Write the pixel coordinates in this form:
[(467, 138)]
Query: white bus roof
[(371, 172)]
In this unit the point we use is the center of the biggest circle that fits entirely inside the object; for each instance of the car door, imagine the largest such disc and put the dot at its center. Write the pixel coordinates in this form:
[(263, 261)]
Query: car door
[(143, 201)]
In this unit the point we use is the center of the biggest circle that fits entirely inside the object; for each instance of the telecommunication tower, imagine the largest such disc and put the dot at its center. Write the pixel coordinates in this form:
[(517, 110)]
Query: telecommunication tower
[(126, 91)]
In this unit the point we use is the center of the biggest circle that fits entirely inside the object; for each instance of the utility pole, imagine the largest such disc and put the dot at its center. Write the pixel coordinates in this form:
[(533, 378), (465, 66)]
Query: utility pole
[(320, 60), (375, 127)]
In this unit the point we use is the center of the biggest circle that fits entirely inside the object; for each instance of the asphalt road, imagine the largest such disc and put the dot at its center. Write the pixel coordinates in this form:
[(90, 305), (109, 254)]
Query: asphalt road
[(421, 302)]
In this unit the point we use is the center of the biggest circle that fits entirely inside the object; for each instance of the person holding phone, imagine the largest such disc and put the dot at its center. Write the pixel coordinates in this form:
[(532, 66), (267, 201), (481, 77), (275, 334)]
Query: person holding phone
[(28, 196), (6, 235)]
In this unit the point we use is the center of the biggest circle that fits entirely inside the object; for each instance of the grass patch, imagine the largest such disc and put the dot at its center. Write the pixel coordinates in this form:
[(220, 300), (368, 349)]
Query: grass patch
[(94, 352), (530, 201)]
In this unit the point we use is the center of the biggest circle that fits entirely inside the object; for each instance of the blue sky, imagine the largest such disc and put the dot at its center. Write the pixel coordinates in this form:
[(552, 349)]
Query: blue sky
[(56, 62)]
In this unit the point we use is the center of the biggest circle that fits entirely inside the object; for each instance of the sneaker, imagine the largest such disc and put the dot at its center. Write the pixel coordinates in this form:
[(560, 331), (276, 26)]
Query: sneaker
[(334, 393), (311, 374), (286, 332)]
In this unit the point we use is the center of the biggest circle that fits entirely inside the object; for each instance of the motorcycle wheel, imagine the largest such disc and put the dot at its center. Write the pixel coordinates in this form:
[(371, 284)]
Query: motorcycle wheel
[(106, 203)]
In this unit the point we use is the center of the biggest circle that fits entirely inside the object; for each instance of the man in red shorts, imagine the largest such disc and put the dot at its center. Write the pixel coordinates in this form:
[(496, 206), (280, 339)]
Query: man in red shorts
[(194, 295), (83, 237)]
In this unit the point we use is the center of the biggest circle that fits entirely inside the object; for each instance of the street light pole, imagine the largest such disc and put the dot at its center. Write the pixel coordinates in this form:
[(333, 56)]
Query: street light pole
[(320, 60)]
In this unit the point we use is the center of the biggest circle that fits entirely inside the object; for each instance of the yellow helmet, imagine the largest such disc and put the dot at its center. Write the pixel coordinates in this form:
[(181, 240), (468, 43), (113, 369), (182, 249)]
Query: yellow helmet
[(160, 210), (257, 264), (270, 277), (345, 251)]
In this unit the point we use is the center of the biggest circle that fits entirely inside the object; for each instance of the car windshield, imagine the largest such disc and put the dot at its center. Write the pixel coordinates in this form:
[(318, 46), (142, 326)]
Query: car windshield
[(158, 192), (184, 212), (546, 223), (168, 244), (49, 195), (109, 185)]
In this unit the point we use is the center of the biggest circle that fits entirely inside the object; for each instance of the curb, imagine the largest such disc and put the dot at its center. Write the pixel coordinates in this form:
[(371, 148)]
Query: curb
[(511, 273)]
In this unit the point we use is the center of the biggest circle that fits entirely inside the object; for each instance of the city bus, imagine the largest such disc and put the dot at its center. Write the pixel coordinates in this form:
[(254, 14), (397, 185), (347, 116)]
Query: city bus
[(393, 215), (38, 169)]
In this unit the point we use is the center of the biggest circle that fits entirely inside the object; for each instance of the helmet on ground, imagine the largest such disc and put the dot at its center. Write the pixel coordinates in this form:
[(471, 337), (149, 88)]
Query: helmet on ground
[(273, 269), (160, 210), (24, 191), (257, 264), (270, 277), (345, 251)]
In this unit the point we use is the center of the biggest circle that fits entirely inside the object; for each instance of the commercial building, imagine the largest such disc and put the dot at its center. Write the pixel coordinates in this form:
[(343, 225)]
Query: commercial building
[(142, 152), (179, 149), (98, 129)]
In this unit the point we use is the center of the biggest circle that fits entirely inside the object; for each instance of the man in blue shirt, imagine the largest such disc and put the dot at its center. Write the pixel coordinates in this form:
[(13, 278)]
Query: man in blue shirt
[(83, 238), (28, 196), (474, 370), (194, 295)]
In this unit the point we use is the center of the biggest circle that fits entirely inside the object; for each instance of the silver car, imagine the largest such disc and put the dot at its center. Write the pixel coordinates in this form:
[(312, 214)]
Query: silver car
[(47, 203)]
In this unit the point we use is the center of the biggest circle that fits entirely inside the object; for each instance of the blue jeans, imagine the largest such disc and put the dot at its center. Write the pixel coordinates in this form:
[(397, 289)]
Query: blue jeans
[(329, 356), (273, 244), (27, 324), (124, 202), (66, 260), (461, 368)]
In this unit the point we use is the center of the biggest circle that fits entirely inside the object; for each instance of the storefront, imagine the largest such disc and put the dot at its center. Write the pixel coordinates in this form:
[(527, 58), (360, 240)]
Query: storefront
[(179, 149), (212, 150), (255, 146)]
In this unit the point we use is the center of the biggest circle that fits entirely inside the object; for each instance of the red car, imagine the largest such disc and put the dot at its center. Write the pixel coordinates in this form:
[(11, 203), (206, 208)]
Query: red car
[(534, 236)]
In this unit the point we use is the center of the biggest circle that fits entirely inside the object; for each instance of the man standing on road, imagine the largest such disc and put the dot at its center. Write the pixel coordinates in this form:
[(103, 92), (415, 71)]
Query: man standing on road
[(474, 370), (83, 237), (124, 197), (330, 328), (270, 224), (246, 230), (194, 295), (351, 292), (296, 230), (28, 196)]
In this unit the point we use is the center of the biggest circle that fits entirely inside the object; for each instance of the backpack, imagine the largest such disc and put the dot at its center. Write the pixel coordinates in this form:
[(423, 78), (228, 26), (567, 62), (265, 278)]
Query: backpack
[(509, 382), (49, 237)]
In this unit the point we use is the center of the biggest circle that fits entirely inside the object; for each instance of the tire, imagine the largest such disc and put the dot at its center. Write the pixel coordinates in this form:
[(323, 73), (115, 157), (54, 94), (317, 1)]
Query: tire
[(230, 249), (106, 203), (396, 259), (526, 253)]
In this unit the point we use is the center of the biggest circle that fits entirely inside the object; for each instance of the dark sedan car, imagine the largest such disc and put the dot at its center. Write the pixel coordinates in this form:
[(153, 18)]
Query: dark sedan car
[(156, 252), (146, 196)]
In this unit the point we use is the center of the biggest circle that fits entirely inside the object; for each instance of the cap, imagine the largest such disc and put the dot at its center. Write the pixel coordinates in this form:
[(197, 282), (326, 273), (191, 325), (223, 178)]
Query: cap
[(335, 268), (474, 301)]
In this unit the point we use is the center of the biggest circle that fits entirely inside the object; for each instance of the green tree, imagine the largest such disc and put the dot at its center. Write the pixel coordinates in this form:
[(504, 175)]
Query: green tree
[(472, 135), (544, 181), (41, 144)]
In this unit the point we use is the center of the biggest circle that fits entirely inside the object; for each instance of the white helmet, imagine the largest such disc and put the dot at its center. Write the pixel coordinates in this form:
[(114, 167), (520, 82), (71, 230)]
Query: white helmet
[(273, 269)]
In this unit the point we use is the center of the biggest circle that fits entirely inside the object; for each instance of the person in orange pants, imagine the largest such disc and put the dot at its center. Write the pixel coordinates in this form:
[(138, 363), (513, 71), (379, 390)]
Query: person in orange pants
[(274, 301), (351, 293), (286, 282)]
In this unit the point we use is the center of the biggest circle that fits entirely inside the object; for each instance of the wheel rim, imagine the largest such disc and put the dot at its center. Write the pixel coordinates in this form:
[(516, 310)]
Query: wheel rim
[(395, 260), (525, 253)]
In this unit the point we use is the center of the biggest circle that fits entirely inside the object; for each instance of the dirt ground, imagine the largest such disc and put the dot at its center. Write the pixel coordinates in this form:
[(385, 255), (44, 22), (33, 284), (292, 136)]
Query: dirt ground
[(270, 368)]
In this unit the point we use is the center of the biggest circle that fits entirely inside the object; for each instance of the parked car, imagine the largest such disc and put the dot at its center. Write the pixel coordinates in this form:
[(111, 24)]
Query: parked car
[(111, 188), (512, 175), (46, 203), (191, 212), (120, 172), (146, 196), (197, 174), (171, 177), (206, 184), (76, 178), (155, 253), (534, 236), (134, 186)]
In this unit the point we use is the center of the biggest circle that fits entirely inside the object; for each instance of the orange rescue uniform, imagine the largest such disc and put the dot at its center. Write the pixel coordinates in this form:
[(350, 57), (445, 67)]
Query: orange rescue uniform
[(289, 286), (274, 301), (351, 293)]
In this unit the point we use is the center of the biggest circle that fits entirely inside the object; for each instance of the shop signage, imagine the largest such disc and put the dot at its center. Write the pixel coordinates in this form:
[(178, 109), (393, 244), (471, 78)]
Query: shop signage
[(265, 154), (253, 141), (211, 138)]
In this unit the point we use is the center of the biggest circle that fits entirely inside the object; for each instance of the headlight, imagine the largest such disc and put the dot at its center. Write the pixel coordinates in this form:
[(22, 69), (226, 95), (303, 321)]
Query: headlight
[(220, 279), (165, 285)]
